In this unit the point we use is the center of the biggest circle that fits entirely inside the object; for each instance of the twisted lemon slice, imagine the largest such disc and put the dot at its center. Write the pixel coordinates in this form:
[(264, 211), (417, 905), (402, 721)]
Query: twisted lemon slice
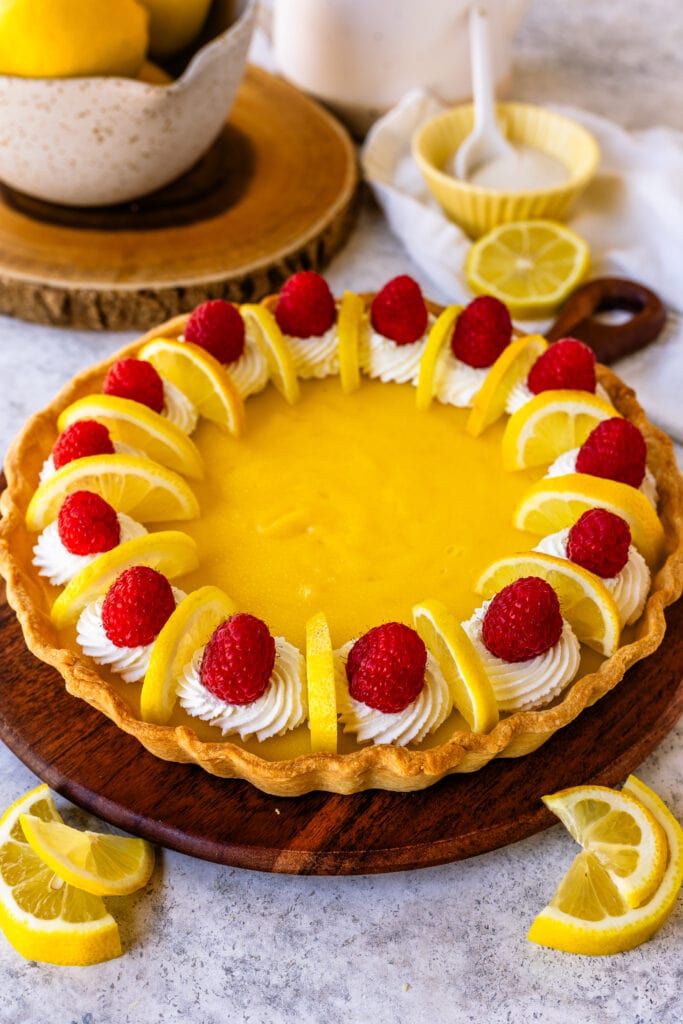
[(322, 698), (274, 347), (511, 367), (438, 338), (349, 322), (551, 423)]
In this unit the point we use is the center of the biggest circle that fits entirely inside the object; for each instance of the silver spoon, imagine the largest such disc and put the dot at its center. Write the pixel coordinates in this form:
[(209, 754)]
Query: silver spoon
[(485, 142)]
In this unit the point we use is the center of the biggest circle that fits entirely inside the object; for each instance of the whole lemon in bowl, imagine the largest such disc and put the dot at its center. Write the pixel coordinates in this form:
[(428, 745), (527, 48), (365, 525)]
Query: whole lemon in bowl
[(72, 38), (174, 24)]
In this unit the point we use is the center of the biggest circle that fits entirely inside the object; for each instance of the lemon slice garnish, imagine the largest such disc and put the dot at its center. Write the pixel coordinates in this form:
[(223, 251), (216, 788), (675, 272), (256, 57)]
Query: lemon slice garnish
[(531, 266), (322, 699), (189, 627), (201, 377), (621, 888), (349, 321), (147, 491), (280, 362), (170, 552), (555, 503), (104, 865), (460, 664), (136, 425), (44, 918), (438, 337), (585, 601), (549, 424), (511, 367)]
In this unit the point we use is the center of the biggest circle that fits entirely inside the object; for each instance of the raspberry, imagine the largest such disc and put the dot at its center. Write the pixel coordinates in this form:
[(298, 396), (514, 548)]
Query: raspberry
[(136, 607), (87, 524), (523, 620), (305, 307), (566, 364), (599, 541), (217, 326), (482, 331), (615, 450), (82, 438), (386, 667), (136, 380), (238, 660), (399, 312)]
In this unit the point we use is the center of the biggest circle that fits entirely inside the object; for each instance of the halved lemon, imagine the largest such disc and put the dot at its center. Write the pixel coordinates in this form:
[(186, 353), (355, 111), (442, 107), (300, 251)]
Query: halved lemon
[(549, 424), (274, 347), (147, 491), (201, 377), (190, 627), (619, 832), (349, 320), (462, 668), (530, 265), (585, 601), (438, 337), (136, 425), (322, 698), (511, 367), (555, 503), (589, 915), (44, 918), (170, 552), (104, 865)]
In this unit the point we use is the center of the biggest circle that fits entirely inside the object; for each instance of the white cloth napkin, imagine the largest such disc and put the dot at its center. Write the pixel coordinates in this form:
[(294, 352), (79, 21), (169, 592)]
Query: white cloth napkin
[(631, 215)]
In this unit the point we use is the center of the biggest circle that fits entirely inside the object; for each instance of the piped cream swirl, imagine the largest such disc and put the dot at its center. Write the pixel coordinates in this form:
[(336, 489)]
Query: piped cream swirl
[(566, 463), (426, 713), (457, 383), (178, 409), (280, 708), (317, 356), (130, 663), (523, 685), (629, 587), (53, 560), (249, 373)]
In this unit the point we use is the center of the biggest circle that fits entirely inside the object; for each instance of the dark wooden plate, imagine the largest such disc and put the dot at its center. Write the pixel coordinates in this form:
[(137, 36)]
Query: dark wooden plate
[(82, 755)]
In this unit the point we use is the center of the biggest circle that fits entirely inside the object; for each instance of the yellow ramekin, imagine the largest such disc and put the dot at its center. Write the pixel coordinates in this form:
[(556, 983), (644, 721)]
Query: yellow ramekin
[(478, 209)]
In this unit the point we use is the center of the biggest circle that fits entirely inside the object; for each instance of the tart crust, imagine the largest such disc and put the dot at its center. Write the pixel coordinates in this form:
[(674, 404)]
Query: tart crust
[(382, 766)]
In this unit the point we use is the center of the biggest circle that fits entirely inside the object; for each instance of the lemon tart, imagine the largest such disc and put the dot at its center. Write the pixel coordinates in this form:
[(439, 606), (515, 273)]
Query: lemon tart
[(359, 491)]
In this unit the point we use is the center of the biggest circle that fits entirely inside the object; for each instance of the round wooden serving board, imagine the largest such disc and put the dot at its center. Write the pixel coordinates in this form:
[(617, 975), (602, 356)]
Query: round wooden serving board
[(82, 755), (276, 193)]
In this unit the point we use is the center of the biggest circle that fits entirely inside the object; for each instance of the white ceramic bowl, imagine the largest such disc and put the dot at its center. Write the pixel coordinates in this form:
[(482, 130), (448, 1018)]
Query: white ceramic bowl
[(96, 141)]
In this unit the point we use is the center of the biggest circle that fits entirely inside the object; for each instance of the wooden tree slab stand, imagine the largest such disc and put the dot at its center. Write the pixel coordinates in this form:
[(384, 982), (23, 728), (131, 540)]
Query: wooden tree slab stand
[(82, 755), (275, 194)]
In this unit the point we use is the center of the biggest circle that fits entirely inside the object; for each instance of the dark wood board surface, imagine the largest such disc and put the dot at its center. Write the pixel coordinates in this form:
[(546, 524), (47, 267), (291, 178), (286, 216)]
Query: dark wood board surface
[(82, 755), (276, 193)]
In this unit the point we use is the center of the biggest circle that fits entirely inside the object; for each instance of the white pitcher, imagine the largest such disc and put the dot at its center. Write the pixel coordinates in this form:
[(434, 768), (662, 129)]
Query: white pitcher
[(361, 56)]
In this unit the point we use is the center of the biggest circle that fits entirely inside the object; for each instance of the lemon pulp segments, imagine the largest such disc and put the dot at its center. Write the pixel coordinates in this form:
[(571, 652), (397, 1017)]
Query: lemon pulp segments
[(201, 377), (438, 337), (511, 367), (459, 662), (549, 424), (134, 484), (349, 322), (103, 865), (531, 266), (322, 698), (190, 627), (136, 425), (170, 552), (42, 917)]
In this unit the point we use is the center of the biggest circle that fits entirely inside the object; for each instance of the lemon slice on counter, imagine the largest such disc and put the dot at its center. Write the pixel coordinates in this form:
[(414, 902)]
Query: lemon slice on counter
[(511, 367), (274, 347), (43, 917), (593, 911), (549, 424), (201, 377), (189, 627), (531, 265), (462, 668), (170, 552), (103, 865), (585, 601), (322, 697), (349, 321), (555, 503), (136, 425), (438, 337)]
